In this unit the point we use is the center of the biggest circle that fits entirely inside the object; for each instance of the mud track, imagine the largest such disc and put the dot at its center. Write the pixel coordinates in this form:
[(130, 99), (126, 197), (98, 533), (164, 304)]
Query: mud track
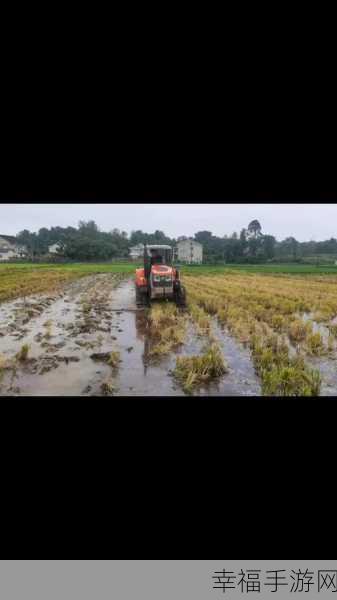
[(71, 336)]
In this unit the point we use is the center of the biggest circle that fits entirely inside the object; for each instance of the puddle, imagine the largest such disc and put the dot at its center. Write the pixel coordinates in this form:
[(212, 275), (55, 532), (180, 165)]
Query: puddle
[(241, 380), (317, 327), (326, 365), (138, 376)]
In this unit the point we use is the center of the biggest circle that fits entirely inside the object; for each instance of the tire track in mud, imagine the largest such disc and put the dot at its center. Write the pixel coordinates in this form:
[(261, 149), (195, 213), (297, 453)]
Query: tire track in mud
[(141, 376), (137, 375)]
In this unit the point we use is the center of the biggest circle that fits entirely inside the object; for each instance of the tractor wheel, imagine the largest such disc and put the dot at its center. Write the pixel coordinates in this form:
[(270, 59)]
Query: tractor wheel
[(141, 298), (181, 296)]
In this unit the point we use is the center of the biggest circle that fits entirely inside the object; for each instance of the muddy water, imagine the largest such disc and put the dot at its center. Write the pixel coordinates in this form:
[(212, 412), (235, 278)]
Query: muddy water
[(326, 365), (61, 336), (144, 377), (70, 334), (137, 376), (241, 380), (97, 315)]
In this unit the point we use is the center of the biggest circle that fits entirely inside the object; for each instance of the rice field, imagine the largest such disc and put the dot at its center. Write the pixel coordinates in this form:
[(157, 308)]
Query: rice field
[(277, 328), (17, 280), (288, 323)]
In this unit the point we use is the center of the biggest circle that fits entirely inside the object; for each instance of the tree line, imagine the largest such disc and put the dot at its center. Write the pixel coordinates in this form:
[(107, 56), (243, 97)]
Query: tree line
[(250, 245), (86, 242)]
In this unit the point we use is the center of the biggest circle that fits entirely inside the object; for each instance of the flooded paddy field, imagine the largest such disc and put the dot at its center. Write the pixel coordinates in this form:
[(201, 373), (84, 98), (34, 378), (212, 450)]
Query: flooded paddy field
[(242, 335), (61, 344), (288, 324)]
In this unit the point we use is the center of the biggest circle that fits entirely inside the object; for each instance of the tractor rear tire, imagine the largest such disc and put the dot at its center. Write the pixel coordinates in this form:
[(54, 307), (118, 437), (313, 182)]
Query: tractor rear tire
[(181, 297), (141, 298)]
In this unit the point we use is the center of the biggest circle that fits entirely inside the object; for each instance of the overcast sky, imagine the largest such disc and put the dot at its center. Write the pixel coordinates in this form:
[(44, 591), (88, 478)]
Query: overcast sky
[(303, 221)]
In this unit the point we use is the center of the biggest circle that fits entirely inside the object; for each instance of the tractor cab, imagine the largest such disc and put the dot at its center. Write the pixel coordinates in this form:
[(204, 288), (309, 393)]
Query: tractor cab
[(158, 279), (158, 255)]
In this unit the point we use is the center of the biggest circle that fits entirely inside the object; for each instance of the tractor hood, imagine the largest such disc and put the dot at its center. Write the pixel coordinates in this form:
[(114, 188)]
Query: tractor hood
[(162, 270)]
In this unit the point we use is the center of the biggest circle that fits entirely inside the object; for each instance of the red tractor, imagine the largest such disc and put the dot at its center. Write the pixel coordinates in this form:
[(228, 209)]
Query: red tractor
[(159, 279)]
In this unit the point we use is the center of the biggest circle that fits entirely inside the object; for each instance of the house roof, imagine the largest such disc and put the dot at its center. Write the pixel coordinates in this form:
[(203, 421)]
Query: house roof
[(158, 247), (9, 238)]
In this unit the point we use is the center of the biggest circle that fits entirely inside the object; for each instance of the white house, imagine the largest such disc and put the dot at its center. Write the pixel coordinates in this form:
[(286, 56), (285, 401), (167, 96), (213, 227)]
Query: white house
[(9, 248), (136, 251), (189, 251), (54, 248)]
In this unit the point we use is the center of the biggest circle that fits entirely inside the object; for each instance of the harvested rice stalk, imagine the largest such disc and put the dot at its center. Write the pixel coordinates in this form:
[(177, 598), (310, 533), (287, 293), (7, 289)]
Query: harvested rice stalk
[(200, 318), (108, 388), (299, 331), (110, 358), (114, 359), (166, 330), (259, 311), (293, 379), (195, 371), (315, 344), (23, 353)]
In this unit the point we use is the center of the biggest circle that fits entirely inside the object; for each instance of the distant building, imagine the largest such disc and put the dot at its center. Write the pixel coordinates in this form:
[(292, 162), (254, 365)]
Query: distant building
[(9, 248), (188, 251), (136, 251), (54, 248)]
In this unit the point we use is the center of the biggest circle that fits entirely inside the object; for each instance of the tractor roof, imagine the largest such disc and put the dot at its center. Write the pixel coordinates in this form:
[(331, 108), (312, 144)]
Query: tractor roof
[(158, 247)]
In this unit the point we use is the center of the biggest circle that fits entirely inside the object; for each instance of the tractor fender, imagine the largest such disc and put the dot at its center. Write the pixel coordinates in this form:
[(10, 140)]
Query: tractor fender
[(140, 278)]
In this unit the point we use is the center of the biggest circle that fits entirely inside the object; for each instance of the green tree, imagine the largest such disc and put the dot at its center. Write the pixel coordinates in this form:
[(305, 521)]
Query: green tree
[(254, 229), (268, 246)]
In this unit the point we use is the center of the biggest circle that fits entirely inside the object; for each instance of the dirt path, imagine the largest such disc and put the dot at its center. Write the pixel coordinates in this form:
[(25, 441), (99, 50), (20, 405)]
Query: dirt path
[(71, 335)]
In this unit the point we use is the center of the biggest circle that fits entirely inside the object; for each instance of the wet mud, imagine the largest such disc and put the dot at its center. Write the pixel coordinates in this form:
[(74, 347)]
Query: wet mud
[(61, 332), (326, 364), (71, 336)]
